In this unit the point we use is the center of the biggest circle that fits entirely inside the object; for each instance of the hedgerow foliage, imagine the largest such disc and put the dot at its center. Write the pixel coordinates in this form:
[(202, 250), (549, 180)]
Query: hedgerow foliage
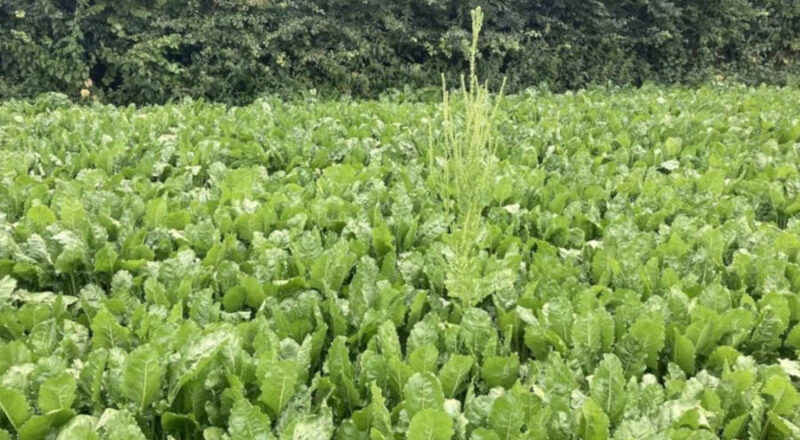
[(149, 51)]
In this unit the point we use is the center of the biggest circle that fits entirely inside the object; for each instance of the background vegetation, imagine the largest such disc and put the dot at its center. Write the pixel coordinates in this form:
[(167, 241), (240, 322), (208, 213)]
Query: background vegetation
[(151, 51)]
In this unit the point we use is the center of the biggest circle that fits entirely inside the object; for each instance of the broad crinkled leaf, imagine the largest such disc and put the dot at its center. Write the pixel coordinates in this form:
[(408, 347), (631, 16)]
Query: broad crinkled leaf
[(424, 359), (500, 371), (756, 426), (341, 370), (640, 347), (484, 434), (14, 406), (91, 376), (423, 391), (683, 353), (330, 270), (507, 416), (430, 424), (607, 387), (247, 422), (81, 426), (119, 425), (380, 418), (592, 333), (197, 354), (142, 375), (784, 397), (389, 341), (594, 422), (431, 229), (57, 392), (7, 286), (36, 427), (108, 333), (72, 213), (785, 426), (455, 374), (278, 384)]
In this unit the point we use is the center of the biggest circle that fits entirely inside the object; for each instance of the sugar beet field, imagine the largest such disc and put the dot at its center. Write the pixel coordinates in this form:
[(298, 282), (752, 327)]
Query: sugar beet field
[(617, 264)]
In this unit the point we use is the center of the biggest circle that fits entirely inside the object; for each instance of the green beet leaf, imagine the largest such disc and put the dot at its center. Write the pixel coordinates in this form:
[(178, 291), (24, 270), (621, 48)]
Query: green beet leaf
[(341, 370), (455, 374), (36, 428), (57, 392), (784, 397), (278, 384), (424, 359), (423, 391), (500, 371), (247, 422), (683, 353), (143, 376), (607, 388), (14, 406), (81, 426), (507, 416), (594, 422), (430, 424)]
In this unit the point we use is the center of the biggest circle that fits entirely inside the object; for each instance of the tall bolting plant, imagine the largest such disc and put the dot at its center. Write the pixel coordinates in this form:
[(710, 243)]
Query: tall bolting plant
[(462, 162)]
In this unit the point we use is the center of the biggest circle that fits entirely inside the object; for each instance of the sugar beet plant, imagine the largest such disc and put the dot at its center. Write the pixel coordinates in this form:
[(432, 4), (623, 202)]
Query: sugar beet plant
[(461, 166), (280, 270)]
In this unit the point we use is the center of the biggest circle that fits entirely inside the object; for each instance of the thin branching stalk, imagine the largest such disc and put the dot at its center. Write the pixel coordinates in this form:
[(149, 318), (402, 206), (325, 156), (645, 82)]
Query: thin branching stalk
[(462, 158)]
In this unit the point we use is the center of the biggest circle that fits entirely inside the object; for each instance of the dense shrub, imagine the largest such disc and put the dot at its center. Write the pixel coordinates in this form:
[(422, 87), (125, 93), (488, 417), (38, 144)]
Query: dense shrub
[(232, 50)]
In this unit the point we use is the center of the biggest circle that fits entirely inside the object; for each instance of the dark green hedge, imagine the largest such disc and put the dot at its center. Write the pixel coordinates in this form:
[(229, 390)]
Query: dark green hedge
[(150, 51)]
